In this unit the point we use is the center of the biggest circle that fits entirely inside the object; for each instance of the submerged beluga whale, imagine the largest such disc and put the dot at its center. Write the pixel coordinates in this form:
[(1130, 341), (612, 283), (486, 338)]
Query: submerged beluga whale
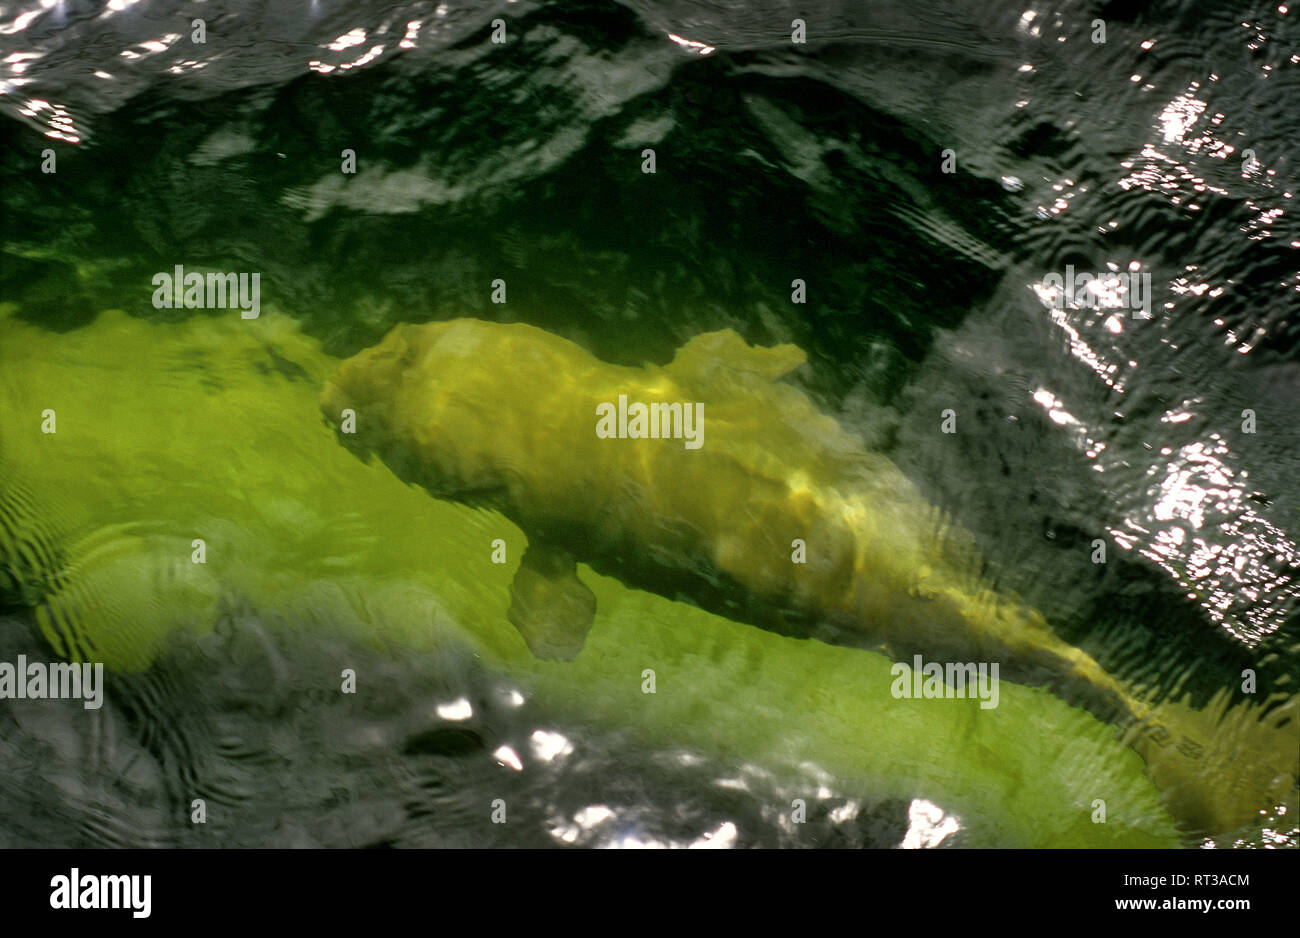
[(516, 417), (711, 476)]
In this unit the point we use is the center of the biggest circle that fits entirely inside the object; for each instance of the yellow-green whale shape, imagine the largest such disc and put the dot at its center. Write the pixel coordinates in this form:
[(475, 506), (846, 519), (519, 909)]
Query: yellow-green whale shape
[(210, 428), (509, 415)]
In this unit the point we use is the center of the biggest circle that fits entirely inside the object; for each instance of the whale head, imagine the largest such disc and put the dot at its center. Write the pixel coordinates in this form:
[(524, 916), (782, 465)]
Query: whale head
[(434, 401)]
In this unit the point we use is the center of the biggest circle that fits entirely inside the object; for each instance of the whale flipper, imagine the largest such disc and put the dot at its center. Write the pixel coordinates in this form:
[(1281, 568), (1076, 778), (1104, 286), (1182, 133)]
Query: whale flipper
[(552, 609)]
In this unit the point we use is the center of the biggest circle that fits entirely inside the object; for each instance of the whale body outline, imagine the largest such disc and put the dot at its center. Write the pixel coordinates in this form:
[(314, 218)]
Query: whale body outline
[(504, 415)]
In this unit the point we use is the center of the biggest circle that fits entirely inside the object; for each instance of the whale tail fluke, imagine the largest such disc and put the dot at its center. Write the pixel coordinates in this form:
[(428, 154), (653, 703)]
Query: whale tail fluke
[(1219, 767), (1223, 766)]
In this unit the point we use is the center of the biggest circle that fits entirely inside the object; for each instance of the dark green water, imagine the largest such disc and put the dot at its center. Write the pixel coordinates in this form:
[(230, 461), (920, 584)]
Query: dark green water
[(522, 161)]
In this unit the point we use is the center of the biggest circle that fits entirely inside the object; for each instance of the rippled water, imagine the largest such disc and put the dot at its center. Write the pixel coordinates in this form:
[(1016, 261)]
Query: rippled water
[(1169, 149)]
